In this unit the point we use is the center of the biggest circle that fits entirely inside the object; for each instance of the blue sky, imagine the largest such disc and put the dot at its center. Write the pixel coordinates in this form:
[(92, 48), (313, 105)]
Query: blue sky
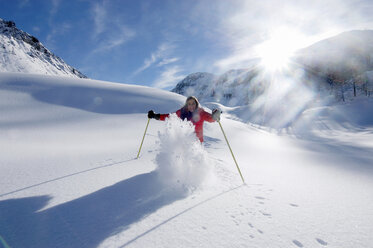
[(159, 42)]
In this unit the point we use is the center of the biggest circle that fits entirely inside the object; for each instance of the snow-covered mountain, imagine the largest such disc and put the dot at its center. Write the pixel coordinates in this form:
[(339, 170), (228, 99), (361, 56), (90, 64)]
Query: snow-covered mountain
[(195, 84), (335, 69), (230, 88), (69, 176), (22, 52), (346, 54), (341, 58)]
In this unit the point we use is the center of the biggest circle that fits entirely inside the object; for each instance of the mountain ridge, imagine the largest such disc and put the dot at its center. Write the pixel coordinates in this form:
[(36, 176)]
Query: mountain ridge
[(332, 65), (22, 52)]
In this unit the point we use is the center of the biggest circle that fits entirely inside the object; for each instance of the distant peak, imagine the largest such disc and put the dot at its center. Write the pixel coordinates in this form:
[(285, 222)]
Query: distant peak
[(49, 63)]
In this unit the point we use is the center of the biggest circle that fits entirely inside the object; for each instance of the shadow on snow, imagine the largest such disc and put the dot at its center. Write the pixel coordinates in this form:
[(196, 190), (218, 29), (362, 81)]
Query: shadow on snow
[(66, 176), (104, 101), (86, 221), (95, 99)]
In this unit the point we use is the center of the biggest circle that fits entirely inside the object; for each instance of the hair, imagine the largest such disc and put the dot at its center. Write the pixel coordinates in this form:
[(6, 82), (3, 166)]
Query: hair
[(194, 98)]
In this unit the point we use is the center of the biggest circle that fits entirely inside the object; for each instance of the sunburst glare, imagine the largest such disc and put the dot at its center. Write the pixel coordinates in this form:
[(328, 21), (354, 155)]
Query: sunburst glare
[(275, 53)]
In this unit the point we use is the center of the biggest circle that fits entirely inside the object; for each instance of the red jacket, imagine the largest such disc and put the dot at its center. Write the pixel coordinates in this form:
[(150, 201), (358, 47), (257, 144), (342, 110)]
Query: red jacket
[(197, 118)]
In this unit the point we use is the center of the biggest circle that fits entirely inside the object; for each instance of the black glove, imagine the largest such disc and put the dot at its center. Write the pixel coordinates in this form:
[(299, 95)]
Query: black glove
[(216, 114), (152, 115)]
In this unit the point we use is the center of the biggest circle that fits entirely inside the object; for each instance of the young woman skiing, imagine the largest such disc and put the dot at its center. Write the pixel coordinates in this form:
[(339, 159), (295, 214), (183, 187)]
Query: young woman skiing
[(192, 112)]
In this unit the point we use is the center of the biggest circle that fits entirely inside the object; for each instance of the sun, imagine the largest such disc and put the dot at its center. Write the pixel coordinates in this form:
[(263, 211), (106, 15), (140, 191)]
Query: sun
[(275, 53)]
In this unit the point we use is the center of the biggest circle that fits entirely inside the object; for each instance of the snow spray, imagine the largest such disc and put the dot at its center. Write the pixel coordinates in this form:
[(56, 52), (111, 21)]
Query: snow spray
[(182, 160)]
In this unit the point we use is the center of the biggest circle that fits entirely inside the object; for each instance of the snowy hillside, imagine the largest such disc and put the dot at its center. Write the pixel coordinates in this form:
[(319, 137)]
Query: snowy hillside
[(349, 51), (21, 52), (195, 84), (70, 178), (332, 70)]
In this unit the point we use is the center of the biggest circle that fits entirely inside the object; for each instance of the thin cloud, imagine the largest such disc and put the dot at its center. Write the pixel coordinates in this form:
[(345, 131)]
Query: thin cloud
[(147, 63), (121, 36), (167, 61), (36, 29), (54, 9), (23, 3), (58, 29), (55, 28), (109, 32), (169, 77), (159, 56), (99, 15), (235, 60)]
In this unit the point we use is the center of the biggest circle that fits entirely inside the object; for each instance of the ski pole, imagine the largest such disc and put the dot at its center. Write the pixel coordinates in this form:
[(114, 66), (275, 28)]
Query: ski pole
[(238, 168), (138, 154)]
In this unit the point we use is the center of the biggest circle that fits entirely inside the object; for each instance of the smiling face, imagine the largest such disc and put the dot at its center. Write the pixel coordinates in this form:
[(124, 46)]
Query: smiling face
[(192, 105)]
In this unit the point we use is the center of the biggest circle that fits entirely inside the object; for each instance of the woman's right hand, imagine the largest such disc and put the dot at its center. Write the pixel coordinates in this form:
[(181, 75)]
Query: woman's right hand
[(152, 115)]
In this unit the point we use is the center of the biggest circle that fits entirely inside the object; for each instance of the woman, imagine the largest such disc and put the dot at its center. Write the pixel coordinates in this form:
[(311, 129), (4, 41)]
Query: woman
[(192, 112)]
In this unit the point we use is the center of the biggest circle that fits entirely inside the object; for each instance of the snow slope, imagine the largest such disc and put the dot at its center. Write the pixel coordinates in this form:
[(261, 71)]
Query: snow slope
[(69, 176), (22, 52)]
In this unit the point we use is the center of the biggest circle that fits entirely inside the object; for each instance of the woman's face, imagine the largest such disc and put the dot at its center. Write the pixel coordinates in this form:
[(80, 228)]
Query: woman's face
[(191, 105)]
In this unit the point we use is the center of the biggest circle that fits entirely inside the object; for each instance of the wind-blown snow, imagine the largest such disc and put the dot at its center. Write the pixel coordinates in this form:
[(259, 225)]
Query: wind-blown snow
[(182, 161), (69, 176)]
